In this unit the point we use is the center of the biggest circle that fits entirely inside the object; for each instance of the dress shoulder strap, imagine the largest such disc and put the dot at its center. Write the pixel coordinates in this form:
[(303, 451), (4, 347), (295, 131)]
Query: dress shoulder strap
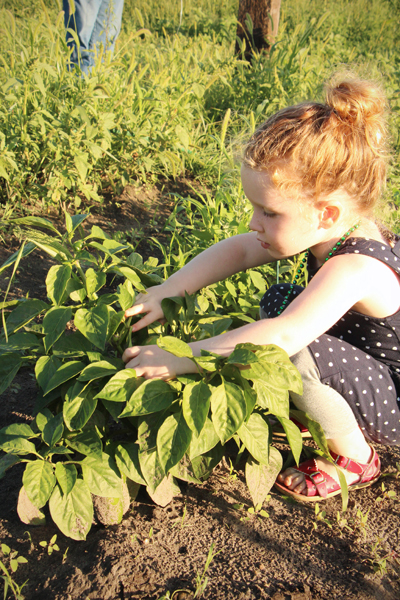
[(379, 250)]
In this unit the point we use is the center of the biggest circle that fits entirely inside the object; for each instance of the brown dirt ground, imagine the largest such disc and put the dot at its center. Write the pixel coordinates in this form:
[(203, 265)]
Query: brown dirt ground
[(291, 555)]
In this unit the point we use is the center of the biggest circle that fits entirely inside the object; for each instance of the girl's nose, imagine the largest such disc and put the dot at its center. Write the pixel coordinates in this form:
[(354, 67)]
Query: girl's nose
[(254, 224)]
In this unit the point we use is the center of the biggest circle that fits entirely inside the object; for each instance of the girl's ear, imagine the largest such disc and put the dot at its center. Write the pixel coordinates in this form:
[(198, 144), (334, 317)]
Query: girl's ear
[(329, 215)]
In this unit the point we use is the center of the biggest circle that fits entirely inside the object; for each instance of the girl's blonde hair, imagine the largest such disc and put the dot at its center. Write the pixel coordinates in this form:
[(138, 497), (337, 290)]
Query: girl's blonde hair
[(315, 149)]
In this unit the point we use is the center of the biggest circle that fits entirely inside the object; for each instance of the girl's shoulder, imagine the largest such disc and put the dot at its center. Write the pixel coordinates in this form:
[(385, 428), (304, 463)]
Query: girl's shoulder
[(382, 251)]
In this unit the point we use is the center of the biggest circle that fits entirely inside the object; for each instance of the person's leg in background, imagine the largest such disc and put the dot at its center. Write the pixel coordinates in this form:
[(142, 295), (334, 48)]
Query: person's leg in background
[(96, 23)]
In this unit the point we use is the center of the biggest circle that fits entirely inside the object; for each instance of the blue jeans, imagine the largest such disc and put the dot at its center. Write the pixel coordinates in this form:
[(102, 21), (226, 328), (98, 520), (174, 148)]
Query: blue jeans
[(97, 23)]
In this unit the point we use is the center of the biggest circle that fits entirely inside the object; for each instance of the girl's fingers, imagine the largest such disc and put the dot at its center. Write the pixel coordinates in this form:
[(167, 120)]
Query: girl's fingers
[(130, 353), (149, 318), (136, 309), (132, 364)]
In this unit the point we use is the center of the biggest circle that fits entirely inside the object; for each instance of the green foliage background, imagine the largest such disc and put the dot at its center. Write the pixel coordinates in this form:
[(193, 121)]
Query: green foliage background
[(156, 108)]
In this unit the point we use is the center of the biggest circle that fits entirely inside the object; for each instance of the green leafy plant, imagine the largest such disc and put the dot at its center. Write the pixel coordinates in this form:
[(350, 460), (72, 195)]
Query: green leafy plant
[(99, 431)]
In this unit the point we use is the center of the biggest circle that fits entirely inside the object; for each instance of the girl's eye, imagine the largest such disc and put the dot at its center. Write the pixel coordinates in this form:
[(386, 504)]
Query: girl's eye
[(268, 214)]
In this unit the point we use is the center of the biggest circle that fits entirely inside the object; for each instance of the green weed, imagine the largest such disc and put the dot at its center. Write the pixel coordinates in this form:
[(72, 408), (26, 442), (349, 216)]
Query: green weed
[(14, 561)]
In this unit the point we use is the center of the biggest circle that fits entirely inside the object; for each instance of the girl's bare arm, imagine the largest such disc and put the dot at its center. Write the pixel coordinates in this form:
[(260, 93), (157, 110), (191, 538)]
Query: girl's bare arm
[(218, 262), (344, 282)]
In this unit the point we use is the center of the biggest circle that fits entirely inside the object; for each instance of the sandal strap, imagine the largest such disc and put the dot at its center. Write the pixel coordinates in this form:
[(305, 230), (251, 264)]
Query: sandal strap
[(365, 471), (316, 479)]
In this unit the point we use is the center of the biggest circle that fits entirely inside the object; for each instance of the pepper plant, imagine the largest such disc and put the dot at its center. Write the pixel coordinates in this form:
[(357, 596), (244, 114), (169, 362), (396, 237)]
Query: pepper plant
[(99, 432)]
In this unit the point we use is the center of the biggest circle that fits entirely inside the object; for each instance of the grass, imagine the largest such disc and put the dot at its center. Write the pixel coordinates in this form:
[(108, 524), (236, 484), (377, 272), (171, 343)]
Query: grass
[(172, 100)]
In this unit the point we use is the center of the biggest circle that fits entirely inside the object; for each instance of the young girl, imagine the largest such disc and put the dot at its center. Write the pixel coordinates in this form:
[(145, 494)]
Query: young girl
[(313, 173)]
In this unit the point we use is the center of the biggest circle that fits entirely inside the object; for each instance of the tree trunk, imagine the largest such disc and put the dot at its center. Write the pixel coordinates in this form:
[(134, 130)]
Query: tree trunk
[(263, 34)]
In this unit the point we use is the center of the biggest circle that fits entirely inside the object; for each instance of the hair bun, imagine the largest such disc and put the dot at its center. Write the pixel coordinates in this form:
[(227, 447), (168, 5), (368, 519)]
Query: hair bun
[(358, 102)]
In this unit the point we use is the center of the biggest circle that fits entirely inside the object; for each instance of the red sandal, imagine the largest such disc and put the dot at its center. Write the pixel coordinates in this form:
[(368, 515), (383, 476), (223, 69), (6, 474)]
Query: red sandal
[(321, 486)]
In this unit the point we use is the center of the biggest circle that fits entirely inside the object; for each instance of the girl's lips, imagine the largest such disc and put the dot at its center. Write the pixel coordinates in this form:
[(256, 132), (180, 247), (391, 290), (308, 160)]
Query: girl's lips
[(264, 245)]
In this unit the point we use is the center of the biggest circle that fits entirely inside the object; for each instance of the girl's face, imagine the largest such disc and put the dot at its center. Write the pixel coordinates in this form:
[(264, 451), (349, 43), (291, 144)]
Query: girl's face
[(284, 226)]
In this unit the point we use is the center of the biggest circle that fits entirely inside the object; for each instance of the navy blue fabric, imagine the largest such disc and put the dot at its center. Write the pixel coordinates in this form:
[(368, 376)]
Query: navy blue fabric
[(359, 356)]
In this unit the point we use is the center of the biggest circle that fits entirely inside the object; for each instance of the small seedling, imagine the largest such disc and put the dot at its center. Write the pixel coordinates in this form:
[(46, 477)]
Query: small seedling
[(386, 494), (363, 521), (201, 578), (14, 562), (257, 510), (320, 517), (378, 563), (342, 522), (51, 546)]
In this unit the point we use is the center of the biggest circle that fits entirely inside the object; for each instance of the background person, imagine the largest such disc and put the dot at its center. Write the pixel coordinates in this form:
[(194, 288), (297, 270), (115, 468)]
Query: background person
[(97, 23)]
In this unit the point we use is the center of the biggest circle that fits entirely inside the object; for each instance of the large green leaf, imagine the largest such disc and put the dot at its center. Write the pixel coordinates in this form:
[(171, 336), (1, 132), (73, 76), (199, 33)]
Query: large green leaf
[(148, 427), (196, 404), (45, 368), (94, 281), (36, 222), (171, 308), (204, 442), (6, 462), (24, 313), (276, 400), (64, 373), (114, 320), (127, 459), (79, 406), (261, 478), (120, 387), (255, 436), (152, 396), (54, 324), (175, 346), (102, 477), (203, 465), (93, 324), (293, 436), (151, 468), (20, 341), (126, 295), (10, 363), (88, 442), (242, 356), (53, 430), (56, 282), (73, 345), (66, 475), (73, 512), (102, 368), (184, 470), (173, 440), (50, 245), (14, 439), (39, 481), (228, 407)]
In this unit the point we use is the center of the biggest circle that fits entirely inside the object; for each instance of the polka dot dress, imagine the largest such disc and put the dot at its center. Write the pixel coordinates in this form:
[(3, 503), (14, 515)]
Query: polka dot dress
[(359, 356)]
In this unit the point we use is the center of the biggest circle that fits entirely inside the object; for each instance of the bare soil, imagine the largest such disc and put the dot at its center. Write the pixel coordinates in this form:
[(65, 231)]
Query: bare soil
[(290, 555)]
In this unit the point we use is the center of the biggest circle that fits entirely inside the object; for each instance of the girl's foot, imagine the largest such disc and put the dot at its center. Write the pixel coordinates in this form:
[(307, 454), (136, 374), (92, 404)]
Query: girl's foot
[(317, 479)]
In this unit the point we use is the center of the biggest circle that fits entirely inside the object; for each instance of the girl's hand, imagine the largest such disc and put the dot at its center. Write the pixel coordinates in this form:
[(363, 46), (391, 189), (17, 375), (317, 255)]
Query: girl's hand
[(149, 303), (151, 362)]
